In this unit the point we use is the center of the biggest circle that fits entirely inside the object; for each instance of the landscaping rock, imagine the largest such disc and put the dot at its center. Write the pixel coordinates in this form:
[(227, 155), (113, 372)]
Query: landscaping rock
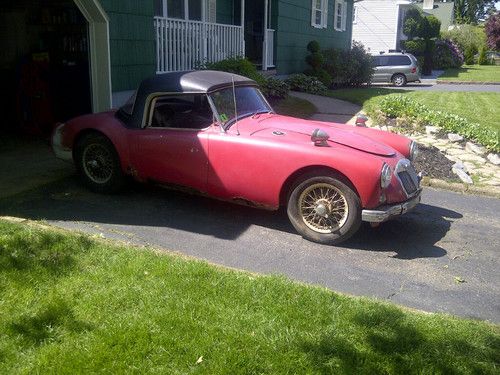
[(493, 158), (431, 129), (462, 175), (460, 165), (454, 151), (455, 137), (477, 149), (467, 156)]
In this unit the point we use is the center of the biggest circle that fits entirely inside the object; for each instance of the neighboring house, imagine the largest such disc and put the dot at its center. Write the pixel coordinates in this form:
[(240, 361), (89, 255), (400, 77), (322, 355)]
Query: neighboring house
[(109, 46), (442, 10), (378, 23)]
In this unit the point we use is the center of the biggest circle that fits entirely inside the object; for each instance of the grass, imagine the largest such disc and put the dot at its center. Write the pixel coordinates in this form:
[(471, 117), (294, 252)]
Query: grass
[(295, 107), (478, 107), (72, 304), (476, 73)]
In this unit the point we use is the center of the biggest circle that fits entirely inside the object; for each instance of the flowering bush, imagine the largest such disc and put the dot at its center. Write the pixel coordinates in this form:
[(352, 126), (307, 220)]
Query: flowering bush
[(492, 29), (403, 106), (447, 55)]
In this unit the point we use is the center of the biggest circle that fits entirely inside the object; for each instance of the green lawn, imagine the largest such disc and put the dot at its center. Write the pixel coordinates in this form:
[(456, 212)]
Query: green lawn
[(477, 73), (70, 304), (477, 107), (294, 107)]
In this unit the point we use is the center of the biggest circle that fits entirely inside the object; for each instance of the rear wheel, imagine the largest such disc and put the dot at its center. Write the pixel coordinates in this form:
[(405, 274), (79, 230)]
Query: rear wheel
[(399, 80), (324, 209), (98, 164)]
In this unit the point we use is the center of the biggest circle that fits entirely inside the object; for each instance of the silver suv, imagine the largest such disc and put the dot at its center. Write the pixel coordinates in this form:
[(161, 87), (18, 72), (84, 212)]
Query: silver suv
[(396, 67)]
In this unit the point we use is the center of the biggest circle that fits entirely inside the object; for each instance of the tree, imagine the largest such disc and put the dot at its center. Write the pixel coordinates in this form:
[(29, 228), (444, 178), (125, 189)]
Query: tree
[(472, 11), (492, 29), (416, 25)]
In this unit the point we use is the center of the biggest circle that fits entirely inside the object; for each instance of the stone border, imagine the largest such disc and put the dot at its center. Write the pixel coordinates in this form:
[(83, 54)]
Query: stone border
[(460, 187), (443, 82)]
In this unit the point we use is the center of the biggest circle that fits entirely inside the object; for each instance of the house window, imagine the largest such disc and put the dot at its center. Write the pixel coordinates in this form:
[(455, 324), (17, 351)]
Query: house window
[(339, 21), (181, 9), (319, 13)]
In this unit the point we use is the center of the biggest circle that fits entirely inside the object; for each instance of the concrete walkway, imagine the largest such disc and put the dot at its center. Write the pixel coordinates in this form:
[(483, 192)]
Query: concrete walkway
[(330, 109), (29, 165)]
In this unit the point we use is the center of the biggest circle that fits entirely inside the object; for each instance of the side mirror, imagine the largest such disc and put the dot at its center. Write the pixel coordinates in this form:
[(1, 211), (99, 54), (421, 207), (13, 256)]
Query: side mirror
[(361, 120)]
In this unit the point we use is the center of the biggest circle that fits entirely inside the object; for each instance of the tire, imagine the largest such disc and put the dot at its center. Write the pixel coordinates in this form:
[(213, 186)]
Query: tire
[(399, 80), (319, 192), (98, 164)]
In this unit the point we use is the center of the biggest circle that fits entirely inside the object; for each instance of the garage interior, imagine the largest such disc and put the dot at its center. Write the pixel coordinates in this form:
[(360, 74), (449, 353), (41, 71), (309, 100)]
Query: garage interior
[(44, 65)]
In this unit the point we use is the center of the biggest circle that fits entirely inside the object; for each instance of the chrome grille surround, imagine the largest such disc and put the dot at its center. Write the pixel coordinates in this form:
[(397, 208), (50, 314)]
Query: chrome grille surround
[(407, 177)]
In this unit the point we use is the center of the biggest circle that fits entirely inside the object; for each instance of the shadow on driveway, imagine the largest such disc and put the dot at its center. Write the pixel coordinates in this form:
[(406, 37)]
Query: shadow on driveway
[(143, 205)]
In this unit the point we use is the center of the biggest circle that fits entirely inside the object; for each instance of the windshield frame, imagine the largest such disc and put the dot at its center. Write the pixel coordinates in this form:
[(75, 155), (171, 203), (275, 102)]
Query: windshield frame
[(226, 125)]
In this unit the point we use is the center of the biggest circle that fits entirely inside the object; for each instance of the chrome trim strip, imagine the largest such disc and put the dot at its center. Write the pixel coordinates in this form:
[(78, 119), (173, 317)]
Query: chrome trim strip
[(384, 213)]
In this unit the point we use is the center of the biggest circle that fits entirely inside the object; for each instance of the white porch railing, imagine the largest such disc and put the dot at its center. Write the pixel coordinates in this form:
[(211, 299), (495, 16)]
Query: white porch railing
[(270, 48), (181, 44)]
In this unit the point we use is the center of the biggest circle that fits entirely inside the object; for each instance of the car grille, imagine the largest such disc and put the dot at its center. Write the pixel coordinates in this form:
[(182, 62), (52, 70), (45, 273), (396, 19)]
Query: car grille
[(407, 176), (408, 183)]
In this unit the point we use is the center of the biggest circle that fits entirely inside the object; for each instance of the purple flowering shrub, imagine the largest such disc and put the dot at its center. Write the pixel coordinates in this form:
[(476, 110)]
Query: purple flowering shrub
[(447, 55), (492, 29)]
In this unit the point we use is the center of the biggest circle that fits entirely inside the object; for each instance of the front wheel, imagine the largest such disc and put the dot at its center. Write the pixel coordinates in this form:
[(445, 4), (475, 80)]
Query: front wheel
[(324, 209), (399, 80), (98, 164)]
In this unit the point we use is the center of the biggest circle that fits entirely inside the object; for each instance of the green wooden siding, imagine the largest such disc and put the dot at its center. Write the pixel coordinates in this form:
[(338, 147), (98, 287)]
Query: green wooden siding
[(225, 11), (132, 42), (292, 21)]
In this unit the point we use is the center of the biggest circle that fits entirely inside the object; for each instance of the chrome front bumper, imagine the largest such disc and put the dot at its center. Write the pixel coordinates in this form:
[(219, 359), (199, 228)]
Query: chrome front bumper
[(59, 150), (385, 213)]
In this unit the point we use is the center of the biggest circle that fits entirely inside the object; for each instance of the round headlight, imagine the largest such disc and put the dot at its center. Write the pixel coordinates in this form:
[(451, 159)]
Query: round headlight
[(413, 150), (385, 176)]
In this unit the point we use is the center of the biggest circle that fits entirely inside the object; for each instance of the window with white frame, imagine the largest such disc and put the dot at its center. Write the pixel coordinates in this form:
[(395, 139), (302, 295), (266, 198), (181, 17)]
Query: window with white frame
[(355, 14), (319, 13), (180, 9), (339, 20)]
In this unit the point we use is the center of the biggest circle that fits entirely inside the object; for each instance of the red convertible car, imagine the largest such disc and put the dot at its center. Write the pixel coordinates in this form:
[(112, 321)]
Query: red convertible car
[(216, 134)]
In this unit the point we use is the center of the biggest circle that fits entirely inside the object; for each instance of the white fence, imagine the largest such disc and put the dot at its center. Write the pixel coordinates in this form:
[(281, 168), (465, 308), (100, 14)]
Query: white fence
[(182, 45)]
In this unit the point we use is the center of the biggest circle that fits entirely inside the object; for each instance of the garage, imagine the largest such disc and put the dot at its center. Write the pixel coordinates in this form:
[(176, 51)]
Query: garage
[(44, 65)]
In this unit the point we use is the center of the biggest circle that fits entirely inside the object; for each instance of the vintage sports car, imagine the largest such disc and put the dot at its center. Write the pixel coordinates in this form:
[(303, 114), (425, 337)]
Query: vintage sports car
[(216, 134)]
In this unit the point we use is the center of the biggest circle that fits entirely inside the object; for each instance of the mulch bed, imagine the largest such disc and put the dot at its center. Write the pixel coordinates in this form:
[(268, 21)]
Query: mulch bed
[(432, 163)]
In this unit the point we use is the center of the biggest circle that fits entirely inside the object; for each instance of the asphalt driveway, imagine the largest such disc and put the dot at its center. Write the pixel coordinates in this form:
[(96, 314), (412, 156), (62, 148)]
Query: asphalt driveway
[(419, 260)]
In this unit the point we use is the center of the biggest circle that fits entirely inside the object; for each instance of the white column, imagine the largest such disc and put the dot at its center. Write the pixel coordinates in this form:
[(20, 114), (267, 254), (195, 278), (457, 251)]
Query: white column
[(264, 43)]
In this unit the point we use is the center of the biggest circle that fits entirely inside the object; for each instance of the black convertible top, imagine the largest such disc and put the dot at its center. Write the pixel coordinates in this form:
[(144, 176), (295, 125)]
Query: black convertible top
[(198, 81)]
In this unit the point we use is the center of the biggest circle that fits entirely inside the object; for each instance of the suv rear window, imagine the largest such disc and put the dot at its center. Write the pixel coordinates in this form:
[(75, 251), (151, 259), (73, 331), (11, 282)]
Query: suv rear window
[(399, 60)]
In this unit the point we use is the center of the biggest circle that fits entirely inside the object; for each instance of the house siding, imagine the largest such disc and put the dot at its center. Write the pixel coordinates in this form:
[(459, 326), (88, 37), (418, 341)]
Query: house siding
[(132, 42), (376, 25), (292, 21)]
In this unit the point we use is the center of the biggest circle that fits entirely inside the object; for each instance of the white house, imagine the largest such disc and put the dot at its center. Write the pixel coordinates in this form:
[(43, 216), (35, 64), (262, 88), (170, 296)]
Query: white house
[(378, 23)]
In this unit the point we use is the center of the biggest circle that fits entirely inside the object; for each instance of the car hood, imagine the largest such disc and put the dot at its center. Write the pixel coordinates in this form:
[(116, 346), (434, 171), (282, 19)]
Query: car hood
[(290, 127)]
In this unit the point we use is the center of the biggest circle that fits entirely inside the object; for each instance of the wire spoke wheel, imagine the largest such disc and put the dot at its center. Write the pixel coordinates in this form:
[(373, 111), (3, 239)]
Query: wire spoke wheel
[(97, 162), (323, 207)]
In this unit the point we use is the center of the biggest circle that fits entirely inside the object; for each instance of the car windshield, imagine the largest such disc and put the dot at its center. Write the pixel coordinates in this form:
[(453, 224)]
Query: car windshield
[(249, 101)]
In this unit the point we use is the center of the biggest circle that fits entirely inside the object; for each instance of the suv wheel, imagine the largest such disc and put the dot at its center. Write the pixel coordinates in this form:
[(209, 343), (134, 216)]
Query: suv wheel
[(398, 80)]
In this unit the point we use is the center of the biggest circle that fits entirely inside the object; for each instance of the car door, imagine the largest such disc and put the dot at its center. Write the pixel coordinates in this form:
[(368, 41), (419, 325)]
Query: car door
[(172, 152), (380, 73)]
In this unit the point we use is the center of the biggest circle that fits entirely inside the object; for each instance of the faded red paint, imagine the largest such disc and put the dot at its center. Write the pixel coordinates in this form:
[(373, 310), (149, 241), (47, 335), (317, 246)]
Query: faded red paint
[(249, 162)]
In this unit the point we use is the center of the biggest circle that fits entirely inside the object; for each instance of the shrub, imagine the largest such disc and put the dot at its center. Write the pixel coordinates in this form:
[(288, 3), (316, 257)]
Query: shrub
[(447, 55), (403, 106), (304, 83), (349, 67), (316, 60), (465, 36), (415, 47), (274, 88), (492, 29), (482, 60), (236, 65), (469, 55)]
